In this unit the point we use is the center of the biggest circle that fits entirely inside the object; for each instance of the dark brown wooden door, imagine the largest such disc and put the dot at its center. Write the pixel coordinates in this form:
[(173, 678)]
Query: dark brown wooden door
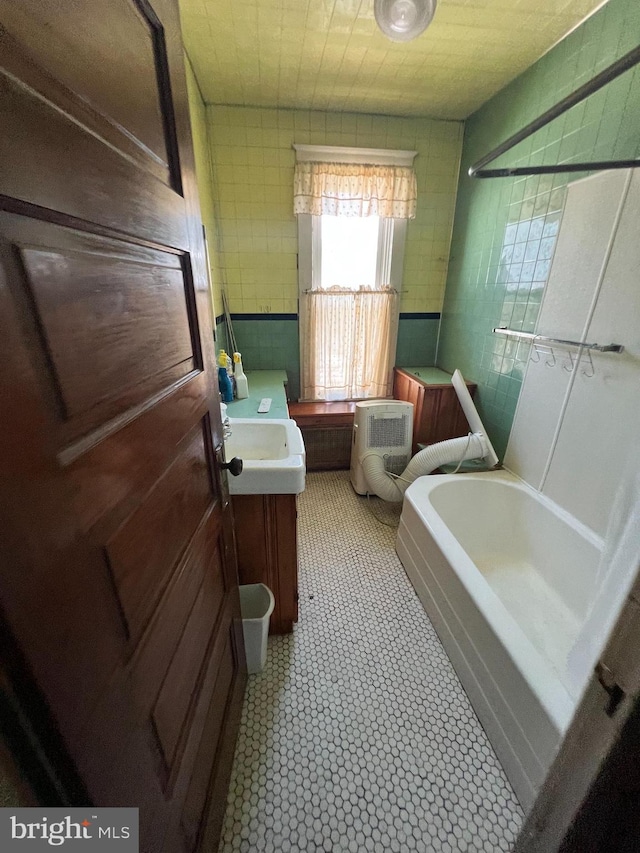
[(118, 581)]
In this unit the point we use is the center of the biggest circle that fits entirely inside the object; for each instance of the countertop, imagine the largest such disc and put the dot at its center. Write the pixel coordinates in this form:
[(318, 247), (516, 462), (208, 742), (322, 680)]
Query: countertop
[(431, 375), (262, 383)]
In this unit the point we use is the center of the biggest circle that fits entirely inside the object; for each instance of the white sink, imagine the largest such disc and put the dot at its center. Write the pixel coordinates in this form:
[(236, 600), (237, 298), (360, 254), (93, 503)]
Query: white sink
[(272, 451)]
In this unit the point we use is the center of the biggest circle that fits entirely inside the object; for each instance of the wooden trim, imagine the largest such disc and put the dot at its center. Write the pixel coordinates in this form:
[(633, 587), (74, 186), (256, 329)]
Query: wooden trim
[(343, 154), (164, 92), (323, 415)]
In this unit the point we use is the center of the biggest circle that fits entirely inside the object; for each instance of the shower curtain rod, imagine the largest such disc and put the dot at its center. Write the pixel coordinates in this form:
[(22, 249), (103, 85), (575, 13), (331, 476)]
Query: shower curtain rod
[(629, 60)]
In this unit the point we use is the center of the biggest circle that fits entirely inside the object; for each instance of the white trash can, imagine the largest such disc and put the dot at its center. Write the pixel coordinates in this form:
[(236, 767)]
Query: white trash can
[(256, 606)]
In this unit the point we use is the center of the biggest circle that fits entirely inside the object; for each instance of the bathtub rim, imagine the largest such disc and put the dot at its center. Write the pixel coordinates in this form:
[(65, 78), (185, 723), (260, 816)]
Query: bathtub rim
[(512, 480), (553, 693)]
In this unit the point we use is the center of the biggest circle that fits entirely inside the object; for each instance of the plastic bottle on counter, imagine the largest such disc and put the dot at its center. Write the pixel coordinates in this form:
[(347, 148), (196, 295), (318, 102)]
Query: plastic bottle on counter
[(230, 374), (224, 383), (242, 384)]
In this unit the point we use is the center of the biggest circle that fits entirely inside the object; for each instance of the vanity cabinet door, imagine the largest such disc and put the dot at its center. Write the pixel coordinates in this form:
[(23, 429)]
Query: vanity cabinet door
[(266, 533)]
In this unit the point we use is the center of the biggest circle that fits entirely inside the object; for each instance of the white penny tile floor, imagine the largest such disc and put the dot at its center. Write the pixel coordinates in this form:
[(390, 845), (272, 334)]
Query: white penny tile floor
[(358, 735)]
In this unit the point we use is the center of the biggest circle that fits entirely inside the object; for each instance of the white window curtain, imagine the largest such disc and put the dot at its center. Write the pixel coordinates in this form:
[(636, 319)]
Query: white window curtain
[(349, 344), (348, 336), (355, 189)]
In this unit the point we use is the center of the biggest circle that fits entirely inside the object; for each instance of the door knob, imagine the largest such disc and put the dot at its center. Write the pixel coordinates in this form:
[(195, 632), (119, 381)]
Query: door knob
[(234, 466)]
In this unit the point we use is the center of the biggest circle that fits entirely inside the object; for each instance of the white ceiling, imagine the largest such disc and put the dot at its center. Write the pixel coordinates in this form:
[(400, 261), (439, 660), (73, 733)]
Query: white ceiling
[(329, 54)]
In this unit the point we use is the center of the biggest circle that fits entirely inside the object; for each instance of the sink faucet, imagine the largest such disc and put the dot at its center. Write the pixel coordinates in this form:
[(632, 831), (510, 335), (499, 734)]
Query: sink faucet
[(226, 425)]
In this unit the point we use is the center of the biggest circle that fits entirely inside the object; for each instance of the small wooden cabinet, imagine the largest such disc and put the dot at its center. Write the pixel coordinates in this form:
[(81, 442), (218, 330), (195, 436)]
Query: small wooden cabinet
[(266, 536), (437, 414), (327, 429)]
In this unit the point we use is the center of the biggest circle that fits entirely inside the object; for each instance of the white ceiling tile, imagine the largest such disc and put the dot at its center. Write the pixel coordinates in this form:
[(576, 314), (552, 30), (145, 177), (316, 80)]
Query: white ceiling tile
[(329, 54)]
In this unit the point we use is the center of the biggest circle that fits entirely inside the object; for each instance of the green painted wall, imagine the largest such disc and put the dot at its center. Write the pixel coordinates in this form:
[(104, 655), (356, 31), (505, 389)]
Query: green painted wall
[(505, 228)]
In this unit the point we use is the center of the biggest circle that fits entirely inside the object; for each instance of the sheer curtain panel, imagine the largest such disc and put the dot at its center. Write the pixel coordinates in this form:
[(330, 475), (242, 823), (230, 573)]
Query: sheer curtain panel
[(349, 344), (349, 327)]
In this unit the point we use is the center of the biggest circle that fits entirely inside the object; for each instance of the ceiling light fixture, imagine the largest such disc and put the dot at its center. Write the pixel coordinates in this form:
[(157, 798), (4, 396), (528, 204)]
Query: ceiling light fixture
[(403, 20)]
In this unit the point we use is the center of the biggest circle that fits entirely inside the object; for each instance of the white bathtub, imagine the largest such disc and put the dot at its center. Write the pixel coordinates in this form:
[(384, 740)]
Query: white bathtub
[(507, 578)]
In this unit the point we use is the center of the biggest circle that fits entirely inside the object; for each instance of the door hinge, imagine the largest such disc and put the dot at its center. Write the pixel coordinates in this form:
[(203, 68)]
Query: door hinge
[(609, 684)]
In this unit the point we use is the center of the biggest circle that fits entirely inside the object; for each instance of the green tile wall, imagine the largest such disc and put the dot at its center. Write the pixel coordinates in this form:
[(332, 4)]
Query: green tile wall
[(417, 341), (505, 228), (270, 344)]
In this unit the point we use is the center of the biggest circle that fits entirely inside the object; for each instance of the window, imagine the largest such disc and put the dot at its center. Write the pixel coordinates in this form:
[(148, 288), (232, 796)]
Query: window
[(351, 228), (351, 252), (350, 278)]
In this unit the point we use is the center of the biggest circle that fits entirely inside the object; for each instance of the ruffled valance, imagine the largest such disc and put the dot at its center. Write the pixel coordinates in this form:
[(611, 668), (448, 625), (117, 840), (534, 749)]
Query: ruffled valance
[(353, 189)]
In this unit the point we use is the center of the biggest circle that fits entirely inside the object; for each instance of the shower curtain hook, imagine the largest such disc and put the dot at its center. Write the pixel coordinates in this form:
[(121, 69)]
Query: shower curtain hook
[(553, 356), (571, 363), (593, 370), (535, 349)]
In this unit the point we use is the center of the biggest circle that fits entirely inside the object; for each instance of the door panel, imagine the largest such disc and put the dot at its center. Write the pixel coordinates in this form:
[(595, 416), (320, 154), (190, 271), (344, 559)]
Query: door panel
[(51, 181), (118, 578), (76, 297), (152, 655), (79, 51), (119, 467), (116, 322), (144, 551), (180, 687)]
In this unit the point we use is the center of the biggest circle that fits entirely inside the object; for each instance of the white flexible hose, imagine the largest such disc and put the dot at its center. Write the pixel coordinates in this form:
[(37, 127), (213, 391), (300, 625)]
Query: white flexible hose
[(381, 483)]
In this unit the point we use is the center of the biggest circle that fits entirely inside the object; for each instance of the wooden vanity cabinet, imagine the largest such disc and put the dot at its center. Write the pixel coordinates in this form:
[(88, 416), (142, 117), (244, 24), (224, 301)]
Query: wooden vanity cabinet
[(266, 536), (437, 413)]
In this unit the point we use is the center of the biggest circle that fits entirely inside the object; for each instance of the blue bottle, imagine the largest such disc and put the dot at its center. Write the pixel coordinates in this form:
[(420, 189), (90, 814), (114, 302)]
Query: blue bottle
[(224, 383)]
